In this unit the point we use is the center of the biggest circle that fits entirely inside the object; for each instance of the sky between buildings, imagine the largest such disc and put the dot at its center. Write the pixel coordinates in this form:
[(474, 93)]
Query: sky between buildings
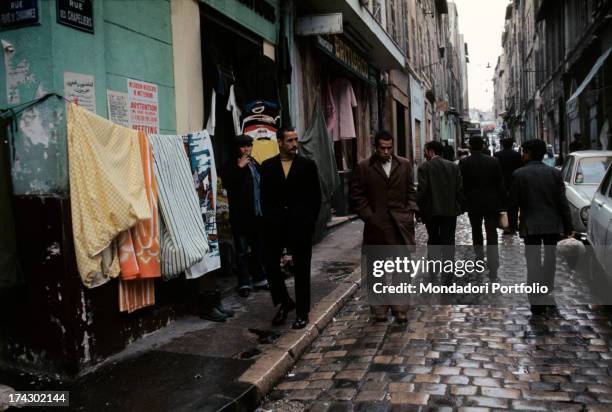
[(482, 24)]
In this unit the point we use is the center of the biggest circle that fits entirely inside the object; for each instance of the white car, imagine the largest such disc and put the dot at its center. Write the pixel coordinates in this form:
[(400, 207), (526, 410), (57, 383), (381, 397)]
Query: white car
[(582, 173), (599, 231)]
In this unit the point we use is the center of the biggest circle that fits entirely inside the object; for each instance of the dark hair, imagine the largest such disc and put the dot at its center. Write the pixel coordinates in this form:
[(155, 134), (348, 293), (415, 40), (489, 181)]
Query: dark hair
[(382, 135), (280, 133), (435, 146), (476, 143), (577, 135), (507, 143), (536, 148)]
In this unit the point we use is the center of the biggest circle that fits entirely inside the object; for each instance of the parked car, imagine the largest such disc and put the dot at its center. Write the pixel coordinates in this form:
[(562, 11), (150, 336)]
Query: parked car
[(582, 173), (599, 231)]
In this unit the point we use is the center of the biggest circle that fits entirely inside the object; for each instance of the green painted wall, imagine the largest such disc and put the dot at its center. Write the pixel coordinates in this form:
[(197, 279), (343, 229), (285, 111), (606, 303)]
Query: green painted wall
[(246, 17), (132, 39)]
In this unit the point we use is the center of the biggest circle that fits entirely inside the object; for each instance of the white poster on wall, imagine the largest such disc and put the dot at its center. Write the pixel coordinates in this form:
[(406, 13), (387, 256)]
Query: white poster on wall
[(118, 112), (143, 106), (80, 89)]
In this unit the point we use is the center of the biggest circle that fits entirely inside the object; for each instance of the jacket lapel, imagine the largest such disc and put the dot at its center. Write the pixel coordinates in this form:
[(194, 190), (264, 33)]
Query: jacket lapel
[(376, 165), (394, 166)]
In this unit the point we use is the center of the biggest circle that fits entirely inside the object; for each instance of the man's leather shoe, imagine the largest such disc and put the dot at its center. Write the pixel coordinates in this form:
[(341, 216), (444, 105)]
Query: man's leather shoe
[(300, 323), (284, 310)]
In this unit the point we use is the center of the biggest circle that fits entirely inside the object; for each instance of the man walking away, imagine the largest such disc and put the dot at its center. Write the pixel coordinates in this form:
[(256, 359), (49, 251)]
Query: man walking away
[(448, 153), (485, 194), (510, 160), (538, 192), (439, 197), (576, 144), (241, 178), (384, 196), (291, 199)]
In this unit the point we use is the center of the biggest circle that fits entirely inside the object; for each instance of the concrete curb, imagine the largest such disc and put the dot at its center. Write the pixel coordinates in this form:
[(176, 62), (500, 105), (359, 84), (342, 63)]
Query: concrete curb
[(276, 361)]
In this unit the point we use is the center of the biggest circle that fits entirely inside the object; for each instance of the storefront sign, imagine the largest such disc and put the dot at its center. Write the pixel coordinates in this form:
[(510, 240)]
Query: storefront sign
[(261, 7), (143, 106), (18, 13), (342, 52), (76, 13), (118, 108), (80, 89)]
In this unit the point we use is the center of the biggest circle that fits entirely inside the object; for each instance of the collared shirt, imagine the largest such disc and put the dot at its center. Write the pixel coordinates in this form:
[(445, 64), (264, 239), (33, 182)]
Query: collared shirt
[(256, 190), (387, 167)]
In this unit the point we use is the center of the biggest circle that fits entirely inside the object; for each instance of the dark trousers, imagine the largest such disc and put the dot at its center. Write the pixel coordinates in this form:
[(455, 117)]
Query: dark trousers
[(539, 271), (441, 237), (490, 222), (299, 243), (248, 245)]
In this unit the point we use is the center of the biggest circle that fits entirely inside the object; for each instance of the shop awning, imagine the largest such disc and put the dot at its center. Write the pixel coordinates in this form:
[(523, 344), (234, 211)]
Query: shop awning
[(372, 41), (571, 104)]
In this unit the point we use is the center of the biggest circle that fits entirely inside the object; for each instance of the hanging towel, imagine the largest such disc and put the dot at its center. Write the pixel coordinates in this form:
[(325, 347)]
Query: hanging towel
[(107, 191), (182, 234), (136, 294), (202, 161)]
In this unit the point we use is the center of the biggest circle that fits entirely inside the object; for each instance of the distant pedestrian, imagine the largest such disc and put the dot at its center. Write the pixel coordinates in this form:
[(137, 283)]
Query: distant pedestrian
[(486, 196), (384, 196), (510, 160), (576, 144), (439, 197), (241, 176), (291, 199), (448, 152), (538, 192)]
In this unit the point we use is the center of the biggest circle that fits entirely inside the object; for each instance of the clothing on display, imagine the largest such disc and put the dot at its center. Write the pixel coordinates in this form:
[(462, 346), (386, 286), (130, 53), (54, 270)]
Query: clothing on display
[(136, 294), (340, 123), (202, 161), (232, 106), (210, 125), (183, 237), (9, 266), (260, 131), (264, 149), (107, 188)]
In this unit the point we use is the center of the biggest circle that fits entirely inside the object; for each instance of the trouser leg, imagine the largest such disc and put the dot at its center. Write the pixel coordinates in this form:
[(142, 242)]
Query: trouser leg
[(490, 222), (273, 251), (477, 239), (302, 254), (256, 257), (533, 255), (242, 252)]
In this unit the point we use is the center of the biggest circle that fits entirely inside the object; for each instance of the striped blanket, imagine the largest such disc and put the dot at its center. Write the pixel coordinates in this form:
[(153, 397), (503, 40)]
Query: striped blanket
[(182, 235)]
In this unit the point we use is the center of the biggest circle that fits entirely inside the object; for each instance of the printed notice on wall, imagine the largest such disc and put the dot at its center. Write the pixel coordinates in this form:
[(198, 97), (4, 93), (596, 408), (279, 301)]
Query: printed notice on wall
[(80, 89), (143, 106), (118, 108)]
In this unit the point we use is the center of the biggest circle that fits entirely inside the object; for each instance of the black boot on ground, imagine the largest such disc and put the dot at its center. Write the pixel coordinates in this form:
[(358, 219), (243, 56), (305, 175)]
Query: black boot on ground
[(208, 309), (219, 305)]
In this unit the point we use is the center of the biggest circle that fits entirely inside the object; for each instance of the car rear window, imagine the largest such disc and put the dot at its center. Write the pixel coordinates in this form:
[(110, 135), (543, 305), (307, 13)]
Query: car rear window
[(591, 170)]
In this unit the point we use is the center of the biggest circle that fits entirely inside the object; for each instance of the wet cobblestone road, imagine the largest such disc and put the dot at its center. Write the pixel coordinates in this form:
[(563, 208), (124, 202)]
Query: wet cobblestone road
[(466, 358)]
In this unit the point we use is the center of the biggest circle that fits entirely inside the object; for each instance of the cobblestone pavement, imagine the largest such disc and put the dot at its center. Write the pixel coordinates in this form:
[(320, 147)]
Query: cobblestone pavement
[(466, 358)]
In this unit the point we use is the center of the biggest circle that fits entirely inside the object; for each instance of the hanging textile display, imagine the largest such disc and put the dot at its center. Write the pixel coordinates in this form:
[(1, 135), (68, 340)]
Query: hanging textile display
[(183, 237), (340, 121), (139, 246), (260, 120), (107, 191), (202, 161)]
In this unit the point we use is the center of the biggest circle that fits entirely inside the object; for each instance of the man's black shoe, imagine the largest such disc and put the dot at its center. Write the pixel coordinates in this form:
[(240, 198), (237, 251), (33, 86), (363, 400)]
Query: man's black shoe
[(213, 314), (244, 292), (284, 310), (538, 310), (262, 287), (300, 323)]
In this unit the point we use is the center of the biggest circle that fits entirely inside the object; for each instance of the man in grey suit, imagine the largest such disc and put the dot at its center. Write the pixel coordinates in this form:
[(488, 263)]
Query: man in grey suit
[(538, 192), (439, 197), (485, 193)]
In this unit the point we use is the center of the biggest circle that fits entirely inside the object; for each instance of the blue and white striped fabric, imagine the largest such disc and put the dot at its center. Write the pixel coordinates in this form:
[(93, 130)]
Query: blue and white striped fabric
[(183, 238)]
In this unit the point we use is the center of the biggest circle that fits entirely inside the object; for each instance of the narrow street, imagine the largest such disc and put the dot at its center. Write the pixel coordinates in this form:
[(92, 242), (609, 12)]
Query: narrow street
[(470, 358)]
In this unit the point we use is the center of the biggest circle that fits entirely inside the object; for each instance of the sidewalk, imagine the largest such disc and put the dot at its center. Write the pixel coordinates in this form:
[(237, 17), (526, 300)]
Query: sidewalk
[(194, 364)]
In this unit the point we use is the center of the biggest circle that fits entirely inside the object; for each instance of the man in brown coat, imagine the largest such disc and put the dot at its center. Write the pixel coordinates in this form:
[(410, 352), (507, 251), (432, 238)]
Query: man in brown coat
[(384, 196)]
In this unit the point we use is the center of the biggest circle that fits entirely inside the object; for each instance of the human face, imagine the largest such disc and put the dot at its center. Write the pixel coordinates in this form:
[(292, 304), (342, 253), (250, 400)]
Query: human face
[(384, 149), (288, 144), (429, 154), (246, 150)]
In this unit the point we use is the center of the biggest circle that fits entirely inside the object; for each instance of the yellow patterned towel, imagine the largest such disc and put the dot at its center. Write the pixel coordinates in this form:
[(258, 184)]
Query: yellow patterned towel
[(107, 191)]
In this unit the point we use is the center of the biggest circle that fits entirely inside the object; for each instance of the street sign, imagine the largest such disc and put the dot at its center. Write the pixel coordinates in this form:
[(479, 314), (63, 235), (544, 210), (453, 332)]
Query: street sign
[(77, 14), (18, 13)]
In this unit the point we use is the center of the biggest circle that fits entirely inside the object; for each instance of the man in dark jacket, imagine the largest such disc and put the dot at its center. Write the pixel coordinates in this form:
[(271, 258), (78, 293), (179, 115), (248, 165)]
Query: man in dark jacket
[(538, 192), (439, 195), (291, 199), (384, 196), (485, 194), (241, 178), (510, 160)]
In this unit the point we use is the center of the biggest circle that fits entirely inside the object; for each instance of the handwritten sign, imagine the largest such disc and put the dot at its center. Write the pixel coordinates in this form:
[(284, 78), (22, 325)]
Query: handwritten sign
[(118, 108), (143, 106), (80, 89)]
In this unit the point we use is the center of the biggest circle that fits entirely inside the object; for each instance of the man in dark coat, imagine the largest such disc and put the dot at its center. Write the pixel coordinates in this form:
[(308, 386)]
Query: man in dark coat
[(485, 195), (291, 199), (538, 192), (510, 160), (241, 177), (439, 196), (383, 195)]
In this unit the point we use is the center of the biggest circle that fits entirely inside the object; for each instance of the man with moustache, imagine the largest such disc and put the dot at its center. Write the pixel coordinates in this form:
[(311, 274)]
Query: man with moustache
[(384, 196), (291, 199)]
